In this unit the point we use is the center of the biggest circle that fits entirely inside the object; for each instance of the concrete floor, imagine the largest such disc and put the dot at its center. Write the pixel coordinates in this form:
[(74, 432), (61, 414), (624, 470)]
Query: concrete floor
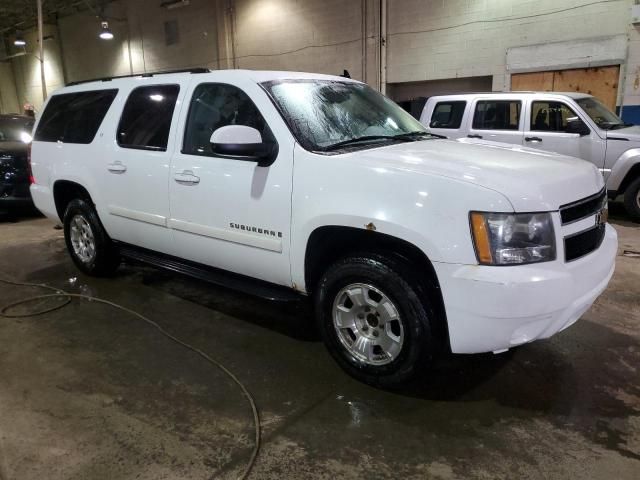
[(87, 392)]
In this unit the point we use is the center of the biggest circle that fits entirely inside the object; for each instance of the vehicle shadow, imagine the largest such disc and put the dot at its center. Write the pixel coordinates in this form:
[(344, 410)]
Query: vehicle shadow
[(619, 215)]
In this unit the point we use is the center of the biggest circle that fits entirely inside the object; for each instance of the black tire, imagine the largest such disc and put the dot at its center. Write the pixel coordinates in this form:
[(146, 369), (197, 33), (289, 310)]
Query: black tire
[(105, 260), (392, 277), (632, 199)]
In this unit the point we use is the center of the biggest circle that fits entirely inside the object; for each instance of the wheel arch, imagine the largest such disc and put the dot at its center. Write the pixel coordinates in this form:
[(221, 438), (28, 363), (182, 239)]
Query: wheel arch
[(630, 176), (64, 191), (326, 244)]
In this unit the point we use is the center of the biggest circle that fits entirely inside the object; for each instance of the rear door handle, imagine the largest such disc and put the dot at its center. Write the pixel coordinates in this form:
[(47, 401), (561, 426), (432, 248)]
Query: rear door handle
[(116, 167), (532, 139), (474, 136), (186, 178)]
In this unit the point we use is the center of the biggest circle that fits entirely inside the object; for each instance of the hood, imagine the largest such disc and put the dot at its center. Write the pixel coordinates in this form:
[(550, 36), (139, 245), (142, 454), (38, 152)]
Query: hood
[(532, 180), (629, 133)]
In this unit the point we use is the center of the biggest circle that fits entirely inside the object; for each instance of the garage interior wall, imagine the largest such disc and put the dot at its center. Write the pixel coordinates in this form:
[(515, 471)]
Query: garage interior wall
[(424, 40)]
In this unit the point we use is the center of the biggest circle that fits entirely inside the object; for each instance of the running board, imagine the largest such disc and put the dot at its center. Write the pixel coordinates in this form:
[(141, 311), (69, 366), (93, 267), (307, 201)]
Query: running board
[(223, 278)]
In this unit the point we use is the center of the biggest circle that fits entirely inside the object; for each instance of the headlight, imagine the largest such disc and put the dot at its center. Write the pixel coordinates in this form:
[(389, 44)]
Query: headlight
[(513, 238)]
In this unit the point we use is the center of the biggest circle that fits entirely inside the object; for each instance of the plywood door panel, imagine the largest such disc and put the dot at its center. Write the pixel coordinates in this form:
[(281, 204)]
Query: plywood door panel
[(601, 82), (536, 81)]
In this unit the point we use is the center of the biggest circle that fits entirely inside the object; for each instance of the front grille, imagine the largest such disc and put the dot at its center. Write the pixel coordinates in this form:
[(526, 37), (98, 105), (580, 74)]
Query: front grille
[(583, 243), (572, 212)]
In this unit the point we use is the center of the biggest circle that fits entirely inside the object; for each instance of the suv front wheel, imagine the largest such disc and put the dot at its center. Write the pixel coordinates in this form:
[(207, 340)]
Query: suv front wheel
[(87, 241), (374, 319)]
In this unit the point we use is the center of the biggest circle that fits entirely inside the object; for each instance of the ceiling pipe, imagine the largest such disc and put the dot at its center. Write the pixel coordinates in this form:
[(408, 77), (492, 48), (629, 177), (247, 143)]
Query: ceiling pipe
[(41, 45)]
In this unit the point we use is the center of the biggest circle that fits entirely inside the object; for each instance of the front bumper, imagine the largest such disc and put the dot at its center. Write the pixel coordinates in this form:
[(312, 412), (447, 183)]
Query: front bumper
[(496, 308)]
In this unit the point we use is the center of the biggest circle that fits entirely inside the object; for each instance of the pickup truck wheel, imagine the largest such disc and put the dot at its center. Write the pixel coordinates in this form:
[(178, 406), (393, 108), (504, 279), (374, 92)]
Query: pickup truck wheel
[(88, 244), (632, 199), (374, 320)]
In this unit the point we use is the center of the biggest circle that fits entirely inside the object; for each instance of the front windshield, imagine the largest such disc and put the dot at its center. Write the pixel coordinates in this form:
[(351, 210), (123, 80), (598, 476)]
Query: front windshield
[(600, 114), (324, 114), (15, 130)]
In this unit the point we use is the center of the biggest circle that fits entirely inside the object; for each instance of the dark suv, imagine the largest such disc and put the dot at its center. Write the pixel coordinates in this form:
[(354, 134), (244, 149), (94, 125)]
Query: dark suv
[(15, 141)]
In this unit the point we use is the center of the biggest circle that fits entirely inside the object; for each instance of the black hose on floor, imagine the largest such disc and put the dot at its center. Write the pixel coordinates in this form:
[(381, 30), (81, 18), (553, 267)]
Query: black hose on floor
[(69, 296)]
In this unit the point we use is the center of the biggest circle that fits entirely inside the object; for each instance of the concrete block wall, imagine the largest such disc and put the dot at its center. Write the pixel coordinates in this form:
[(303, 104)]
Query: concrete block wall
[(426, 40), (438, 39), (26, 68), (324, 36)]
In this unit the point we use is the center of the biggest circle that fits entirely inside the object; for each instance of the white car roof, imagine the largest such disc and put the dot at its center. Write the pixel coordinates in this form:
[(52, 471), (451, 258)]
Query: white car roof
[(514, 94), (257, 76)]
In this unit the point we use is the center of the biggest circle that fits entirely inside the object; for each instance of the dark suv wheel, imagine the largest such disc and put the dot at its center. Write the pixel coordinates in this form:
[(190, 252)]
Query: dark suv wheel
[(88, 244), (632, 199), (374, 319)]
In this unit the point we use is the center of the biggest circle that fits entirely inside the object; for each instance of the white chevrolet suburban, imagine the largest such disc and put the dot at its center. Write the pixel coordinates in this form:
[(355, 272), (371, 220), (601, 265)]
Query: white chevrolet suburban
[(283, 184), (574, 124)]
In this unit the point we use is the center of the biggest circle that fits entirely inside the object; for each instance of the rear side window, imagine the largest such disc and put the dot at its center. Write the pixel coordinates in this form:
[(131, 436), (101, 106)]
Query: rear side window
[(74, 117), (146, 117), (217, 105), (497, 115), (447, 114), (550, 116)]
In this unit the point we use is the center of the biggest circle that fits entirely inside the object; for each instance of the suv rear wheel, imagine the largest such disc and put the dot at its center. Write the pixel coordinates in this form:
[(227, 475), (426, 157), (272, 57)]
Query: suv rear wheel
[(374, 319), (632, 199), (88, 244)]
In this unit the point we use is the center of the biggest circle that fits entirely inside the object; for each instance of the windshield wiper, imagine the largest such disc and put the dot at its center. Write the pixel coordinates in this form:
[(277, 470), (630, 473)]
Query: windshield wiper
[(417, 133), (367, 138), (614, 125), (402, 137)]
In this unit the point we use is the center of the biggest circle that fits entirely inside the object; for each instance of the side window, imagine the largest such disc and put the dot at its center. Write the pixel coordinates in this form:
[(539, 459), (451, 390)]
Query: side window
[(146, 118), (497, 115), (74, 117), (447, 114), (217, 105), (550, 116)]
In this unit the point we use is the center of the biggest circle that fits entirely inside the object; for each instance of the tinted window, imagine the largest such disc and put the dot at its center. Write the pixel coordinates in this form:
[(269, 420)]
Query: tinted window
[(74, 117), (447, 115), (497, 115), (217, 105), (550, 116), (146, 118)]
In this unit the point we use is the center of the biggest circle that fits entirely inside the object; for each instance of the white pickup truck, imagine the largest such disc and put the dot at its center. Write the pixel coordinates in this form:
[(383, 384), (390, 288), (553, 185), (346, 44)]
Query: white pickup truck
[(287, 184), (574, 124)]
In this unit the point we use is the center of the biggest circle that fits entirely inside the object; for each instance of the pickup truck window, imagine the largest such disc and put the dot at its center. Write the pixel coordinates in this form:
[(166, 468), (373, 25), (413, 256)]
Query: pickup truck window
[(146, 118), (327, 113), (74, 117), (497, 115), (216, 105), (447, 114), (601, 115), (550, 116)]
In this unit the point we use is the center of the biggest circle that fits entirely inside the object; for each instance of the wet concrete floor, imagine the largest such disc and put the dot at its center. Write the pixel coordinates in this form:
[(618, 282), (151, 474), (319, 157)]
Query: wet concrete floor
[(88, 392)]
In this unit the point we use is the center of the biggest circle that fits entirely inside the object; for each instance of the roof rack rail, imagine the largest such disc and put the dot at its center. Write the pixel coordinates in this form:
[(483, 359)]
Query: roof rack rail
[(147, 74)]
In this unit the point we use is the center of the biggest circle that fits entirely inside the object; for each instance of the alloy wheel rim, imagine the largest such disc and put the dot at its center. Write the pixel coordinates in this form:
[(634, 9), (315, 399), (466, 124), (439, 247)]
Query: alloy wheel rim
[(368, 324), (82, 239)]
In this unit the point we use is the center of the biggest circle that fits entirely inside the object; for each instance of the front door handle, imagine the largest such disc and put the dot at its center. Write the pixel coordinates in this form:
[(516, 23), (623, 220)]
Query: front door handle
[(116, 167), (474, 136), (186, 178), (532, 139)]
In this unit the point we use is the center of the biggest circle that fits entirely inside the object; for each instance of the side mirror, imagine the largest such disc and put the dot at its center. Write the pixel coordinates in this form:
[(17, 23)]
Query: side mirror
[(576, 125), (243, 143)]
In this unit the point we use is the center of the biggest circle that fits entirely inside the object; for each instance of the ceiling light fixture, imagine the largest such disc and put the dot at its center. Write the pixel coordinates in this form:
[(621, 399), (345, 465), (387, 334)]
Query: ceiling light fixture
[(105, 32), (19, 40)]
